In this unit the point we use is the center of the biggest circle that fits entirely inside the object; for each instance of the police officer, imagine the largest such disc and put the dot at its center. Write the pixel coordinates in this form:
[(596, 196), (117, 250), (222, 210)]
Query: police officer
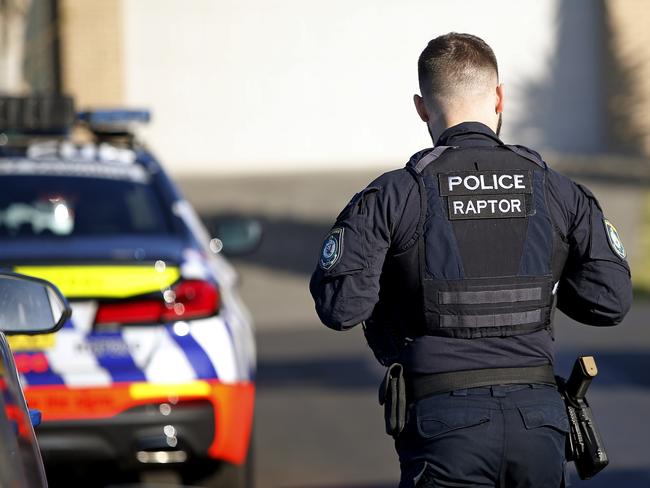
[(455, 264)]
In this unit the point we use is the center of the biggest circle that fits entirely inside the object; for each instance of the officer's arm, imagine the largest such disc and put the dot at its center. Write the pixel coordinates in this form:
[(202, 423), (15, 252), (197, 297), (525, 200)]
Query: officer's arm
[(345, 284), (596, 288)]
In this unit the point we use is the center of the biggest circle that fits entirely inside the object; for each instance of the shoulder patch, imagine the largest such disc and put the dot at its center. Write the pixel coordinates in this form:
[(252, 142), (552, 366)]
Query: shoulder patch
[(614, 239), (332, 249)]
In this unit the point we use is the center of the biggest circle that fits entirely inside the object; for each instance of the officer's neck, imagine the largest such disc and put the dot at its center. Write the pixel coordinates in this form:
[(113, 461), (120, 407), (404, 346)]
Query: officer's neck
[(440, 124)]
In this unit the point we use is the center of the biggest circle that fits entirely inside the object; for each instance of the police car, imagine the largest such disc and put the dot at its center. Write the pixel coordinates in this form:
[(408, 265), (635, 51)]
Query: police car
[(157, 363)]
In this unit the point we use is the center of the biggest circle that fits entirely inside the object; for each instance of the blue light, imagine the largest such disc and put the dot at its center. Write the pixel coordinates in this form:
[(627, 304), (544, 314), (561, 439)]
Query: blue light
[(114, 116)]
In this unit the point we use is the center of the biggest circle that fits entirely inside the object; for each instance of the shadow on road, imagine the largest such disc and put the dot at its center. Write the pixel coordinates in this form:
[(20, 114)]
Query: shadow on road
[(339, 373), (634, 478), (620, 370), (615, 368), (316, 358), (605, 479), (391, 485)]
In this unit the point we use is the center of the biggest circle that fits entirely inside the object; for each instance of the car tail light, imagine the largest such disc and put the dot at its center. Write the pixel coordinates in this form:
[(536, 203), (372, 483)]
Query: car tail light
[(191, 299)]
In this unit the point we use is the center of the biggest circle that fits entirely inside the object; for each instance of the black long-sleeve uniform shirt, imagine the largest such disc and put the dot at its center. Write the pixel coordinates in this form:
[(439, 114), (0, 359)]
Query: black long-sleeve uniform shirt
[(595, 287)]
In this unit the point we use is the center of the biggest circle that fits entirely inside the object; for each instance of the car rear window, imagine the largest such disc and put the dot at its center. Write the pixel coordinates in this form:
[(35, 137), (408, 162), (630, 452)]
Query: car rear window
[(68, 206)]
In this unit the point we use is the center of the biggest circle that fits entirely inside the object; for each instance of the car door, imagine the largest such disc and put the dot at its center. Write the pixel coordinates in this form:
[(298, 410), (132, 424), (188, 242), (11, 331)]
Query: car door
[(20, 459)]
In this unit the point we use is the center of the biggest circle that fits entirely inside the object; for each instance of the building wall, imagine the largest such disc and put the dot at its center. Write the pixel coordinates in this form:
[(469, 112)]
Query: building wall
[(29, 42), (628, 74), (92, 51), (294, 85), (240, 86), (13, 16)]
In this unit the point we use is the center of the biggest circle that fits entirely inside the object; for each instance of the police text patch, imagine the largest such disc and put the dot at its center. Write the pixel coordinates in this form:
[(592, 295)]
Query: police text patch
[(485, 182), (487, 194), (487, 207)]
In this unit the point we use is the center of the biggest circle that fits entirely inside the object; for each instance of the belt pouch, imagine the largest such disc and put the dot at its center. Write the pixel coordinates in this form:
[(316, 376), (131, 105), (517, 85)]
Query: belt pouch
[(392, 395)]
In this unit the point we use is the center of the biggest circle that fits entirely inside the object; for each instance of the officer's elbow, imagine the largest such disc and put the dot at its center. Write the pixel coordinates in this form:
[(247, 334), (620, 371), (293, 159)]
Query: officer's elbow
[(606, 309), (335, 324), (599, 294), (609, 310), (335, 311), (334, 319), (614, 305)]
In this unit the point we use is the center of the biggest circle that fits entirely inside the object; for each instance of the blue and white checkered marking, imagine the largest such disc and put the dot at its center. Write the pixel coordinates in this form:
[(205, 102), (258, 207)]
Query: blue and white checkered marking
[(198, 349)]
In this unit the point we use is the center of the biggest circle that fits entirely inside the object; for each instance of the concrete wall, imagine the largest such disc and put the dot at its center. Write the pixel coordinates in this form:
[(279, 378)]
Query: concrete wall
[(240, 86), (92, 49), (12, 46), (246, 85), (628, 74), (28, 47)]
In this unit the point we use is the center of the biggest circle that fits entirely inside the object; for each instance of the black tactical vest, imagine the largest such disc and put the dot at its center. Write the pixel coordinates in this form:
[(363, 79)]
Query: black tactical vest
[(487, 258)]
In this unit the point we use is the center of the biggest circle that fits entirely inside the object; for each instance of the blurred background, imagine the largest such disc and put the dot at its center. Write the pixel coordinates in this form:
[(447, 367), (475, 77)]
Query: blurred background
[(282, 110)]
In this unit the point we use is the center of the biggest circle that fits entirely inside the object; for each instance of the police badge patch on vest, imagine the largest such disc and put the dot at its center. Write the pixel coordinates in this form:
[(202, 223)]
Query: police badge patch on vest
[(332, 249), (614, 239), (487, 194)]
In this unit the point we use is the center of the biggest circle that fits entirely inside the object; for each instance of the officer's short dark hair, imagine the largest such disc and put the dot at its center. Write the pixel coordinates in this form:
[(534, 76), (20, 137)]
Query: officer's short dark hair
[(454, 61)]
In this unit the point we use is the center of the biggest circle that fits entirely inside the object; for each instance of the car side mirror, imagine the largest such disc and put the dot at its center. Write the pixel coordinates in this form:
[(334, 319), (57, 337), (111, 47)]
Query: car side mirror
[(235, 236), (30, 305)]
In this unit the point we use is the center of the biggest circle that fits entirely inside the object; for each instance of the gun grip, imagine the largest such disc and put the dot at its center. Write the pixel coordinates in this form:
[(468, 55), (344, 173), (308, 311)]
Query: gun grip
[(584, 370), (588, 366)]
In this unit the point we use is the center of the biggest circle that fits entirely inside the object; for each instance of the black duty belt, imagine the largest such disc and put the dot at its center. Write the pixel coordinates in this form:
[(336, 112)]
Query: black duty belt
[(421, 386)]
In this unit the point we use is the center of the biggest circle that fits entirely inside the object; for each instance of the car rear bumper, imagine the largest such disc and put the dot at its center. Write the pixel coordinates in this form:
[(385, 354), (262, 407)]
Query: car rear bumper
[(177, 433), (206, 418)]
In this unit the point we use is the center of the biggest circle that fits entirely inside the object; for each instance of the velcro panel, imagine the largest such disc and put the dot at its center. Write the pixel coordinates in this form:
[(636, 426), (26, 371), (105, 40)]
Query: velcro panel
[(487, 307), (493, 320), (490, 296), (485, 295)]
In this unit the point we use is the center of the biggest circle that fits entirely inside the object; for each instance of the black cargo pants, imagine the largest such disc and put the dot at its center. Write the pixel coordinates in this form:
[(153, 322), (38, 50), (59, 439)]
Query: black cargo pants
[(501, 436)]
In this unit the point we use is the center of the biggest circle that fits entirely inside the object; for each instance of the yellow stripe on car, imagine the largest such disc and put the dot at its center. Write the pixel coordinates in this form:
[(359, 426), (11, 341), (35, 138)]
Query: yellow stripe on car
[(32, 343), (145, 391), (105, 281)]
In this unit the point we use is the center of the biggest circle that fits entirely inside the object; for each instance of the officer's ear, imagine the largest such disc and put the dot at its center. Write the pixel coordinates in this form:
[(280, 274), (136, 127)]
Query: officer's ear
[(420, 107), (499, 99)]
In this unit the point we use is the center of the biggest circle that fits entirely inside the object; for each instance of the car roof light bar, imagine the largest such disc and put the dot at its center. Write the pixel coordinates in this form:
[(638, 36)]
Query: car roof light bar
[(114, 117)]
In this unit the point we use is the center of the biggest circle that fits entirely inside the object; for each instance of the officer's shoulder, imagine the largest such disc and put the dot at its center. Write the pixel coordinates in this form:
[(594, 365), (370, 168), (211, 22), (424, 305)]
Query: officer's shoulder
[(400, 177), (391, 189), (570, 194), (529, 153)]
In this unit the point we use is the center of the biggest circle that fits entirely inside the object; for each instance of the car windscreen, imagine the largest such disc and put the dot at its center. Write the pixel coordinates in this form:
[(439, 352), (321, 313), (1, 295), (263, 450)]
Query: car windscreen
[(71, 206)]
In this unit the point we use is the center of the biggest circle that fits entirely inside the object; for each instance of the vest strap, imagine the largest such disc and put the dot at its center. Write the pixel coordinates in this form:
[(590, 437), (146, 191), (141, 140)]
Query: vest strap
[(429, 158), (422, 386), (492, 320), (525, 154), (483, 297)]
